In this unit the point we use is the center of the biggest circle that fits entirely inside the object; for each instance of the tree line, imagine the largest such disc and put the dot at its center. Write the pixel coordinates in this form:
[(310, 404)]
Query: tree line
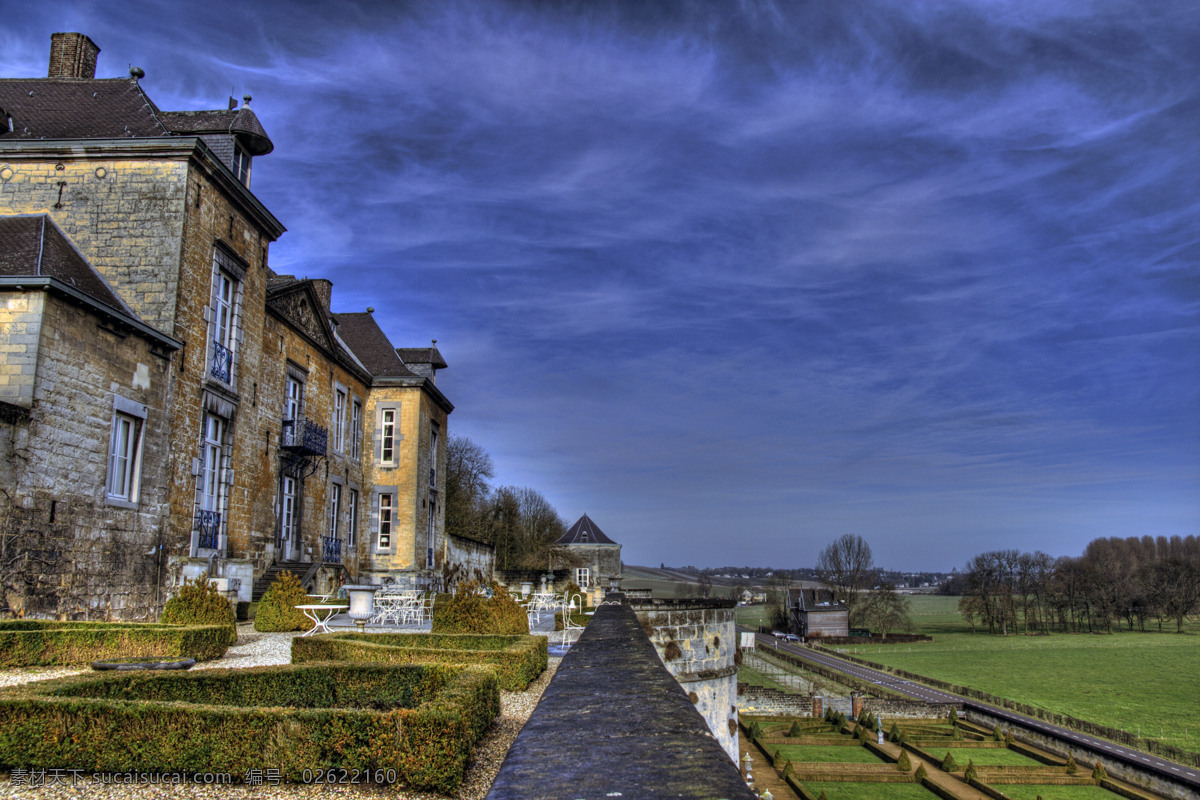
[(519, 522), (1134, 581)]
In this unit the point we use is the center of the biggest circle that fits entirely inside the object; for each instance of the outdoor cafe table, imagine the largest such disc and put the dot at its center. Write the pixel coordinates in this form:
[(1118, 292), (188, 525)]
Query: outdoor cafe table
[(313, 612)]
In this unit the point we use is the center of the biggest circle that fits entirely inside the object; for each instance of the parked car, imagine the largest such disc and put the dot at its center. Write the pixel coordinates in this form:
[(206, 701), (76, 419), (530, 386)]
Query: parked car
[(791, 637)]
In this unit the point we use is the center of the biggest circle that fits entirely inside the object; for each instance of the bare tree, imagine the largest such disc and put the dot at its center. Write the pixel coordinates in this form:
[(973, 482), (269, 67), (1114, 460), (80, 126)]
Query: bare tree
[(847, 567), (885, 610), (468, 469)]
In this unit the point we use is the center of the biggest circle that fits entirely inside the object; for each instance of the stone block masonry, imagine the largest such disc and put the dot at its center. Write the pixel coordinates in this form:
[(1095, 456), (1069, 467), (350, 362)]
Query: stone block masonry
[(614, 723), (65, 550), (697, 641)]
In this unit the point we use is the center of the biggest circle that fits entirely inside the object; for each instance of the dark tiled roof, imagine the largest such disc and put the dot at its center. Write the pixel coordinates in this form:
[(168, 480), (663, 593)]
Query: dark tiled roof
[(813, 600), (111, 108), (370, 345), (421, 355), (33, 246), (241, 121), (584, 531), (76, 108)]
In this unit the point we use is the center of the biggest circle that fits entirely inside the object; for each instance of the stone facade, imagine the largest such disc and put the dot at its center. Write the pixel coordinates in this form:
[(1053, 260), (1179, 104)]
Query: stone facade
[(697, 641), (71, 551), (228, 488)]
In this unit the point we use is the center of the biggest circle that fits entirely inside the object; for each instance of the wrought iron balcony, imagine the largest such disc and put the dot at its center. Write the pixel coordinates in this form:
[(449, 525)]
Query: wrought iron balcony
[(304, 437), (208, 524), (331, 550), (222, 362)]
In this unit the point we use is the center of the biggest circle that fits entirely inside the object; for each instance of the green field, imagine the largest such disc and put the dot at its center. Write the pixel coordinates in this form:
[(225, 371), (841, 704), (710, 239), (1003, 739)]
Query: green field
[(834, 754), (876, 791), (1143, 683)]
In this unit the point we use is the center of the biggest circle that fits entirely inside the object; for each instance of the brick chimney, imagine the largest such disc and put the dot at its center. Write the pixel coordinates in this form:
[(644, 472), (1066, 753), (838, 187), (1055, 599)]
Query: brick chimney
[(72, 55)]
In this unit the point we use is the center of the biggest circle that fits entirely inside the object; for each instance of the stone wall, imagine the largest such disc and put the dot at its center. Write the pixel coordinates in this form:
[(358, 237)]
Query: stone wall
[(67, 551), (471, 556), (697, 641), (613, 723)]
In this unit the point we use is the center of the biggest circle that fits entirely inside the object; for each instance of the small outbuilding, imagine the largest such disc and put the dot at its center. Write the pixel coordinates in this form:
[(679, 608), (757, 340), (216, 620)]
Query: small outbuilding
[(814, 612), (594, 559)]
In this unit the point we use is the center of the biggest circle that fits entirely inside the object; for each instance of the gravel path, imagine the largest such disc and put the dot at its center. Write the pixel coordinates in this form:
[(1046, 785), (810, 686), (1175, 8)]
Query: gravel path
[(261, 649)]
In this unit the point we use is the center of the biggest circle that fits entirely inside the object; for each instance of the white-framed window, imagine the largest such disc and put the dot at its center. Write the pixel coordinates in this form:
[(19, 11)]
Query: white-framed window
[(211, 501), (387, 436), (338, 423), (241, 165), (430, 533), (293, 398), (356, 410), (434, 431), (352, 517), (123, 483), (335, 510), (287, 510), (384, 531), (224, 317), (583, 577)]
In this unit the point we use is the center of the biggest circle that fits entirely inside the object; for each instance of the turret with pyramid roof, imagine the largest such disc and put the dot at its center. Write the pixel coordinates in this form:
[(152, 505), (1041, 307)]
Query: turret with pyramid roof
[(594, 558)]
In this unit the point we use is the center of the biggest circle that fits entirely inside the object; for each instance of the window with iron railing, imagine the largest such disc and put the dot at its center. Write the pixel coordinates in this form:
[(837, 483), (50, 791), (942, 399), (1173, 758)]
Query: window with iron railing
[(208, 529), (331, 550)]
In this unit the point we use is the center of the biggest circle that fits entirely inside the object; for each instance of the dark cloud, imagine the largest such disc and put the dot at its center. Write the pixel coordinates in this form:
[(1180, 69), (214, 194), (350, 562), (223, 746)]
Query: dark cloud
[(736, 280)]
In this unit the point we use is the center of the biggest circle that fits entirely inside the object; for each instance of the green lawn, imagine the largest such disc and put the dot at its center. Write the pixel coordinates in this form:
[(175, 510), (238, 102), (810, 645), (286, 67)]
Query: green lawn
[(874, 791), (1020, 792), (816, 754), (990, 757), (1143, 683)]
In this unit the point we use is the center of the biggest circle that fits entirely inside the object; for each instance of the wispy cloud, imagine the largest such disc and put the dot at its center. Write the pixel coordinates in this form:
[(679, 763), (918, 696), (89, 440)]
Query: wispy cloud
[(738, 279)]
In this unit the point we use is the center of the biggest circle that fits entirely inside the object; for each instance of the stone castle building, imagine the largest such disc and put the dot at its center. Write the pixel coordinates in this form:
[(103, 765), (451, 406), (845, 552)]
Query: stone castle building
[(168, 404)]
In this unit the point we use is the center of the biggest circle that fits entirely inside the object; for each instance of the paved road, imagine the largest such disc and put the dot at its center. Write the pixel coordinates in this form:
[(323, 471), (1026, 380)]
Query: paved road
[(1179, 773)]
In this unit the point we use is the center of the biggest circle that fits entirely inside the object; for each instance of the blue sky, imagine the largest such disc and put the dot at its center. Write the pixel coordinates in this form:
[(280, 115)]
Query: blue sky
[(737, 279)]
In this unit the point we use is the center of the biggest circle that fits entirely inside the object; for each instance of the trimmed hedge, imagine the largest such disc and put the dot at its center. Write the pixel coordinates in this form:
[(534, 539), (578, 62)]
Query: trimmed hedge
[(199, 603), (469, 612), (277, 609), (31, 642), (420, 720), (518, 660)]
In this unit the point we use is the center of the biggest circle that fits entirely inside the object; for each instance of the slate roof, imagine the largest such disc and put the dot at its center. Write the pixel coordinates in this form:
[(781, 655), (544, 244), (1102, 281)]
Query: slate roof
[(813, 600), (584, 531), (421, 355), (370, 345), (76, 108), (111, 108), (33, 246)]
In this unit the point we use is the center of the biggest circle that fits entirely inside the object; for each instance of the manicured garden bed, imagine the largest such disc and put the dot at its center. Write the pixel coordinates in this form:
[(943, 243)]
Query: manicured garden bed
[(28, 642), (815, 754), (518, 660), (868, 791), (991, 757), (414, 724)]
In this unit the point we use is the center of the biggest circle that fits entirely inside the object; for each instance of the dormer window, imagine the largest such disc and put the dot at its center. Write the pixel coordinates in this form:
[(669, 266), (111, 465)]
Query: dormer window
[(241, 165)]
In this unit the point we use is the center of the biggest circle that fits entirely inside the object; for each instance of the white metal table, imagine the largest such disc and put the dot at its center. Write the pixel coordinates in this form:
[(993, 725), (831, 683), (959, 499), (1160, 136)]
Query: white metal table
[(321, 623)]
